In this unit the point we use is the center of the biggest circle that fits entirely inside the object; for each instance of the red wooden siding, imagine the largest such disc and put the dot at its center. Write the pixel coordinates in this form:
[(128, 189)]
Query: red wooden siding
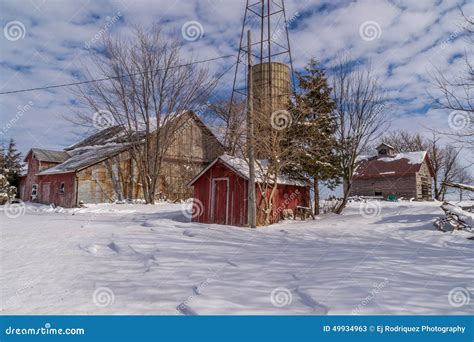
[(235, 207), (220, 196), (49, 190), (48, 185)]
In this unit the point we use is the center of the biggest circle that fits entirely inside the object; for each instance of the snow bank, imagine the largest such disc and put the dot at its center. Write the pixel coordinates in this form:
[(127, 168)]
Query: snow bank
[(154, 261)]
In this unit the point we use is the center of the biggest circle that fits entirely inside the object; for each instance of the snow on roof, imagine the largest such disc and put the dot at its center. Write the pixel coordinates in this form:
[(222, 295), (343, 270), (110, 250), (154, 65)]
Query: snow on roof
[(49, 155), (241, 167), (84, 157), (413, 157), (402, 164), (385, 144), (115, 134)]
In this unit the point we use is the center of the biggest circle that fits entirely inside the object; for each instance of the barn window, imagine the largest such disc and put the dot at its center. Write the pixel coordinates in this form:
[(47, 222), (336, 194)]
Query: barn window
[(61, 188), (34, 190), (383, 152)]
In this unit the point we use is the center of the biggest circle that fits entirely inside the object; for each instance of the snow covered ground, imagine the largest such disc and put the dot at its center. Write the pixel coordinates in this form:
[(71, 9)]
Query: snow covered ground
[(136, 259)]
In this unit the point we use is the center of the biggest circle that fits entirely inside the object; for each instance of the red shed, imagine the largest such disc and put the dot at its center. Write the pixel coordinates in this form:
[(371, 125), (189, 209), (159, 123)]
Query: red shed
[(220, 194)]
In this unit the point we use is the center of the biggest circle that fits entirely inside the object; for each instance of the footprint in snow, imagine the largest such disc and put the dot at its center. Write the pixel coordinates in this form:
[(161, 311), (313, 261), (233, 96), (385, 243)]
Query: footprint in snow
[(113, 246), (284, 231), (98, 250), (186, 310), (306, 299), (231, 263), (188, 233)]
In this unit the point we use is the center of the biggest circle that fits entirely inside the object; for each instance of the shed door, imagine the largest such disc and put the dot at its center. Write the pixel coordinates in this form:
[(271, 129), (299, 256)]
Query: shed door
[(46, 192), (220, 200)]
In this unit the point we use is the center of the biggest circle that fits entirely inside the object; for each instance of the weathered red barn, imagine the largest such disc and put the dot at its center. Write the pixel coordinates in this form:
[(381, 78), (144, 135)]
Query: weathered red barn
[(220, 194)]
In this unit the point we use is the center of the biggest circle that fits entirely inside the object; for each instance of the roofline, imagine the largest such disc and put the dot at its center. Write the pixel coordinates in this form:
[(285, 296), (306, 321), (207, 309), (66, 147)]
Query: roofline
[(192, 181), (84, 167), (54, 173), (195, 178), (375, 176), (428, 162), (388, 145), (34, 148), (198, 119)]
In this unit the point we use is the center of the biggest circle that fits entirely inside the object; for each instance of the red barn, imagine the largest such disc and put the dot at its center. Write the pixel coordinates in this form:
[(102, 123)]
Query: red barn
[(220, 194)]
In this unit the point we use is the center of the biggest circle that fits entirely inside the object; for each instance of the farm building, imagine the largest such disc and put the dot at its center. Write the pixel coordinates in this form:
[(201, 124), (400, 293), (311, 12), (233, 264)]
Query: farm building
[(220, 193), (408, 175), (100, 168)]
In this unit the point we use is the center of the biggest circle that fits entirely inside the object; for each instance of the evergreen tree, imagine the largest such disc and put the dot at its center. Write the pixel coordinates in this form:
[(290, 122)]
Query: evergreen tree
[(12, 163), (7, 191), (313, 130)]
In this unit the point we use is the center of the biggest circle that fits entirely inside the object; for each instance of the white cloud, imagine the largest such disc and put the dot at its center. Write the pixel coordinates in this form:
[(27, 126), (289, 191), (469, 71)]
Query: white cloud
[(52, 51)]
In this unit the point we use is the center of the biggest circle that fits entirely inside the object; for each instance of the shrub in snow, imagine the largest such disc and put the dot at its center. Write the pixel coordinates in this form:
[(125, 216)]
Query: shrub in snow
[(7, 192)]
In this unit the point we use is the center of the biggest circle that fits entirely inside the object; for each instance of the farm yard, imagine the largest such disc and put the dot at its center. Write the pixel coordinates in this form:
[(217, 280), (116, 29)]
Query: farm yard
[(149, 259)]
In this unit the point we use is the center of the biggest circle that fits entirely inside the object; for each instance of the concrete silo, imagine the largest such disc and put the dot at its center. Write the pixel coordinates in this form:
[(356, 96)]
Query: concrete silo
[(272, 88)]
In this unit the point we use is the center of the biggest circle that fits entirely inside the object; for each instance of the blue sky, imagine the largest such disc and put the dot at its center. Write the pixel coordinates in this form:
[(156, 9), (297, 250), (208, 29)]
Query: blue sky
[(405, 41)]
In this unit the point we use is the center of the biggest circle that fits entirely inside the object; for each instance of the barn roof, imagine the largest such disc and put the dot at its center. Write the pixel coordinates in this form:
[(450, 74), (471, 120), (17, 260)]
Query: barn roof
[(108, 135), (402, 164), (48, 155), (240, 166), (118, 134), (85, 157)]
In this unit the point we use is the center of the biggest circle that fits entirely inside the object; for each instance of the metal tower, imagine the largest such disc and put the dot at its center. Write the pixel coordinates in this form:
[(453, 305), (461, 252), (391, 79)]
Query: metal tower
[(269, 24)]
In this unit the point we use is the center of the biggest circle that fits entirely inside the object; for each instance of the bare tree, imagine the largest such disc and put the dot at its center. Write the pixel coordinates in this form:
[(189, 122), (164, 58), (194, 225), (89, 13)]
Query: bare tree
[(457, 91), (147, 88), (445, 159), (403, 141), (233, 122), (360, 111)]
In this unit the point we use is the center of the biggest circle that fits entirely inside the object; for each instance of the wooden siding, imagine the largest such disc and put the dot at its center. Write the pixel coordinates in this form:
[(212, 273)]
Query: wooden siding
[(26, 183), (194, 148), (399, 186), (286, 197), (49, 190), (237, 196), (417, 186), (424, 183), (95, 183)]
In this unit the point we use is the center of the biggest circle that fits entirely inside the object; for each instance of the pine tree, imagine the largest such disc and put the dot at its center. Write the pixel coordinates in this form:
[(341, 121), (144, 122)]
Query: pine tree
[(7, 191), (12, 163), (313, 130)]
